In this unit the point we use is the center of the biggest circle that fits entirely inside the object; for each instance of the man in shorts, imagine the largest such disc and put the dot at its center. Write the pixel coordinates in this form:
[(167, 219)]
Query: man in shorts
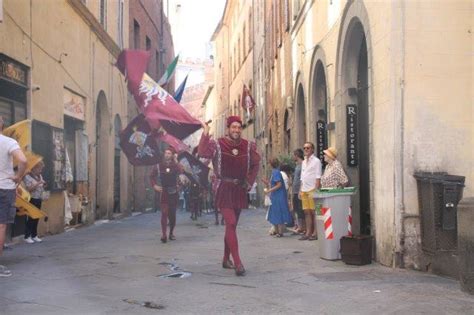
[(311, 170), (9, 149)]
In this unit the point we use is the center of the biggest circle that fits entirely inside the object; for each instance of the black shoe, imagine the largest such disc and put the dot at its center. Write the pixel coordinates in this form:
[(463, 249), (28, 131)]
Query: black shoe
[(163, 239), (172, 238), (240, 271)]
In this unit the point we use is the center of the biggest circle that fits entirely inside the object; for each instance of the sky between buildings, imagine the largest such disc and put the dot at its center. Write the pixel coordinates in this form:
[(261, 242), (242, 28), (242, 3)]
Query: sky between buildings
[(192, 24)]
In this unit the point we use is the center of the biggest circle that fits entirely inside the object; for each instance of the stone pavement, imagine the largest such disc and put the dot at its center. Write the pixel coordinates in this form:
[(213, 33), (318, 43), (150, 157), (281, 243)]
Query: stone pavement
[(115, 268)]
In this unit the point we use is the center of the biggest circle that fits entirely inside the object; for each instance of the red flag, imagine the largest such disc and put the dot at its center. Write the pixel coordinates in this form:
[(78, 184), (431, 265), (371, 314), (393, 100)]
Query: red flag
[(138, 143), (247, 101), (160, 108), (177, 144)]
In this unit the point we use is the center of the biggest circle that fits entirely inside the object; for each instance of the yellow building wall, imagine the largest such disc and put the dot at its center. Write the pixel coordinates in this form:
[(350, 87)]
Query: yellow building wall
[(439, 111), (66, 53)]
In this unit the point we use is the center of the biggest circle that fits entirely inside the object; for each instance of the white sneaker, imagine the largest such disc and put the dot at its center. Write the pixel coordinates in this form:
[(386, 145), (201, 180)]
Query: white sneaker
[(29, 240), (37, 239)]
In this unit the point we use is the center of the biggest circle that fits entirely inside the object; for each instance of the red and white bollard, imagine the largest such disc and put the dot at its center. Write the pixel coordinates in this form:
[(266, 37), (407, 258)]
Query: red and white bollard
[(328, 231), (349, 222)]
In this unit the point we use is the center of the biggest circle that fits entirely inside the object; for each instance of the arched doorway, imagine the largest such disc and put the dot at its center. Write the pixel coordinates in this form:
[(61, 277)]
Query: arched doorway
[(355, 88), (300, 116), (117, 129), (102, 157), (287, 132), (320, 105)]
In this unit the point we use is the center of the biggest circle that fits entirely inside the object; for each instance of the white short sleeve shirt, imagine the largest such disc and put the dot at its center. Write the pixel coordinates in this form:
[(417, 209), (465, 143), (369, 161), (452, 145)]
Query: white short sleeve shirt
[(311, 170), (7, 146)]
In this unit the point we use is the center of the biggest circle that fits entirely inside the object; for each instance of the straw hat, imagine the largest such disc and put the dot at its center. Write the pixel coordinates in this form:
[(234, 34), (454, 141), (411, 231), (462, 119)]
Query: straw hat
[(331, 152)]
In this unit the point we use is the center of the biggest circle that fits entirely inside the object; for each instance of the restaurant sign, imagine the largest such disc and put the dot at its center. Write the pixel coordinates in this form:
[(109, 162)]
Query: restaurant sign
[(352, 134), (321, 139)]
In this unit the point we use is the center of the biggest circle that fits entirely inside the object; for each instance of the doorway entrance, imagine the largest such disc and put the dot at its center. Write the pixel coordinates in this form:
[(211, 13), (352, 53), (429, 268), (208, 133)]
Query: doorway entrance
[(102, 158), (355, 87), (319, 98)]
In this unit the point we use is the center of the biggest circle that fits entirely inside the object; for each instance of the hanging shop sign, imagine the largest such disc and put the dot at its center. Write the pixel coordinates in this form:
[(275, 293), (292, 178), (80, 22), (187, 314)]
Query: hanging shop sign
[(321, 139), (74, 105), (12, 71), (352, 135)]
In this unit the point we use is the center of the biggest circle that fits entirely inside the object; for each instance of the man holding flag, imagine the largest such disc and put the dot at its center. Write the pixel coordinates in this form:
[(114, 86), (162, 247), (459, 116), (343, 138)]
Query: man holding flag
[(236, 164)]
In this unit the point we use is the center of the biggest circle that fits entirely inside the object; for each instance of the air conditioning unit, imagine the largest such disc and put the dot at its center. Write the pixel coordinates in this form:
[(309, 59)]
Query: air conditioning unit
[(289, 102)]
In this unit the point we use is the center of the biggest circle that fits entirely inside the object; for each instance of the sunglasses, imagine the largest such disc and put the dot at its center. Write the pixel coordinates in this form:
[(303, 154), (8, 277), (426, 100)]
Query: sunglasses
[(307, 148)]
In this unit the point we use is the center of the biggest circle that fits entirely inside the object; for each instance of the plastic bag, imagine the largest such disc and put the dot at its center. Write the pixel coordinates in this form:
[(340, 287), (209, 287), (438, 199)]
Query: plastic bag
[(267, 201)]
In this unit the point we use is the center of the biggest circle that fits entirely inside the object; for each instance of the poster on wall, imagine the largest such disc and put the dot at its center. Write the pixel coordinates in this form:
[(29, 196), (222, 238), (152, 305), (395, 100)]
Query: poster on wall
[(58, 159), (74, 105), (352, 134)]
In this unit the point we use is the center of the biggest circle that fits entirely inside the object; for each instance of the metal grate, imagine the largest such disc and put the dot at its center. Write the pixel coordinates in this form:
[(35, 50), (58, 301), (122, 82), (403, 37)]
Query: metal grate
[(428, 239), (438, 197)]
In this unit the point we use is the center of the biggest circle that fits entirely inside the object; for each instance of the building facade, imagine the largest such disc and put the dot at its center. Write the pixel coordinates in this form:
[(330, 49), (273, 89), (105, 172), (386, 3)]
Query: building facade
[(149, 29), (371, 79), (58, 70)]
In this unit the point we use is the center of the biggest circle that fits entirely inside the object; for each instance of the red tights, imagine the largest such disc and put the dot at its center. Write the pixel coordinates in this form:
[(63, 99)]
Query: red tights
[(167, 213), (231, 245)]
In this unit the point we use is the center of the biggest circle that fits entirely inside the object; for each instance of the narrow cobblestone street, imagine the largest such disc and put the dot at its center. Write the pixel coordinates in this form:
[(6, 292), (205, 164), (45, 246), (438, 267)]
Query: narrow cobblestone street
[(114, 268)]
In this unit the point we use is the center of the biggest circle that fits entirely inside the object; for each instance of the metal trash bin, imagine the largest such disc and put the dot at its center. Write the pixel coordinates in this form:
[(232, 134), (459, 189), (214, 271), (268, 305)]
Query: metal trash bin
[(333, 219), (438, 198)]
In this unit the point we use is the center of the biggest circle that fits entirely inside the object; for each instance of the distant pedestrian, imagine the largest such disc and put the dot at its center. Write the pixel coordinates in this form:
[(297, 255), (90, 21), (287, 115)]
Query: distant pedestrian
[(194, 199), (298, 157), (9, 180), (35, 184), (253, 196), (310, 182), (278, 213)]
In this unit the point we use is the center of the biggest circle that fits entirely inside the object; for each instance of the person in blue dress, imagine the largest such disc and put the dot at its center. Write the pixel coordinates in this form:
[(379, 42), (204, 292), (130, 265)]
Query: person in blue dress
[(279, 212)]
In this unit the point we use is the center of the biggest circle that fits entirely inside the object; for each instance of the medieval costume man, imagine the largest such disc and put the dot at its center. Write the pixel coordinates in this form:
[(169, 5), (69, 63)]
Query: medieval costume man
[(236, 163), (164, 180)]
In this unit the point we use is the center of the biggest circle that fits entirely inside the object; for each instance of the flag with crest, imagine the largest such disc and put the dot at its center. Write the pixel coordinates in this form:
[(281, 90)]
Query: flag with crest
[(159, 108)]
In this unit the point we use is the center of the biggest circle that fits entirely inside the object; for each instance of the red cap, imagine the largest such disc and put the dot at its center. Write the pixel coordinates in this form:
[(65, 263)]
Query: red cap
[(232, 119)]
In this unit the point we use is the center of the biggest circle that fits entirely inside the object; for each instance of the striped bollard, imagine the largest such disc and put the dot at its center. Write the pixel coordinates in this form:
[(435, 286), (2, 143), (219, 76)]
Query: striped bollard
[(349, 222), (327, 223)]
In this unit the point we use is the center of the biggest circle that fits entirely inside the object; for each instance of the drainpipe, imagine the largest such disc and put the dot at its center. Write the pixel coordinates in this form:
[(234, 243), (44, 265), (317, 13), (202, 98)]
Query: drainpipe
[(400, 211)]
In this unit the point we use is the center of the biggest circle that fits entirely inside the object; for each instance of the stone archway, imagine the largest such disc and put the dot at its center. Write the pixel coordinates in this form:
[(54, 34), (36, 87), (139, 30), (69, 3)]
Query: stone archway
[(353, 86), (103, 128), (319, 104), (287, 145), (300, 112)]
